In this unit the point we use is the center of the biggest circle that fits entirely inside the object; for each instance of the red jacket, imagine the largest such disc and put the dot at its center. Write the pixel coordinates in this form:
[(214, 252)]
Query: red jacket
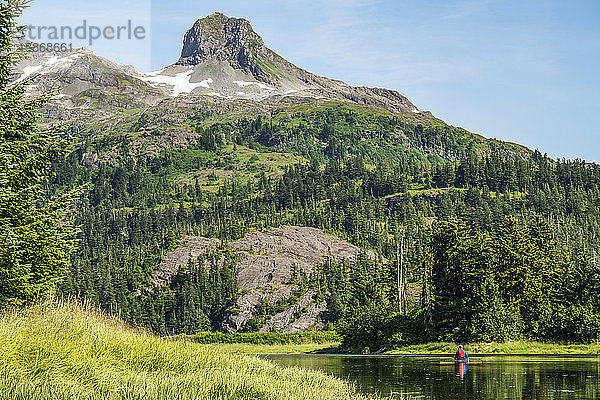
[(461, 354)]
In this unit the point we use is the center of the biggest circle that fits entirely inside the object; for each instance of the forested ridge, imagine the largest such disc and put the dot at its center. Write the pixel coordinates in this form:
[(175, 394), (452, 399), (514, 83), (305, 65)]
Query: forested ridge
[(497, 243), (477, 239)]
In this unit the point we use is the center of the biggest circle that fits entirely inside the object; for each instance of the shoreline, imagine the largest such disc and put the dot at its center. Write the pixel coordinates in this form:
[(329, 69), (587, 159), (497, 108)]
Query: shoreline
[(516, 348), (434, 349)]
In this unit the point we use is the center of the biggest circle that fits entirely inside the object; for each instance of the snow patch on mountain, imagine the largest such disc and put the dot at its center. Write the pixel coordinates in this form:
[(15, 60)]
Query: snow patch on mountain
[(47, 64), (61, 60), (260, 85), (180, 83), (28, 71)]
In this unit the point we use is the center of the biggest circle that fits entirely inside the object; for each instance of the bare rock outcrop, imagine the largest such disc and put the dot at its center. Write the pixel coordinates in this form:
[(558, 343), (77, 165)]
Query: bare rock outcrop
[(190, 247), (264, 273), (267, 261), (302, 316), (268, 257), (248, 303)]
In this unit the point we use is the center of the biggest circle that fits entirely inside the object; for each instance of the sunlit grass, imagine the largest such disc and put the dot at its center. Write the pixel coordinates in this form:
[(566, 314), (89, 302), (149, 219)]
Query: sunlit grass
[(63, 351), (305, 348)]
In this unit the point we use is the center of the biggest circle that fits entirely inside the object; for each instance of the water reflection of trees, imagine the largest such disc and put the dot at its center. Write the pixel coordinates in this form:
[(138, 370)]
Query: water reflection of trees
[(519, 379)]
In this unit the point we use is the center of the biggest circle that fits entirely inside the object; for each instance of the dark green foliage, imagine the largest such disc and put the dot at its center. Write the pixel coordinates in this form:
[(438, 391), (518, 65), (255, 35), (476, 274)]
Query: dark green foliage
[(198, 296), (140, 123), (367, 326), (374, 327), (267, 338), (575, 312), (337, 131), (574, 322), (495, 286), (36, 232), (496, 319)]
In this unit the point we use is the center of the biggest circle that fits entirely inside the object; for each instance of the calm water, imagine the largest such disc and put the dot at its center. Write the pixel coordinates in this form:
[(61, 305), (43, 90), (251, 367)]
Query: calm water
[(497, 377)]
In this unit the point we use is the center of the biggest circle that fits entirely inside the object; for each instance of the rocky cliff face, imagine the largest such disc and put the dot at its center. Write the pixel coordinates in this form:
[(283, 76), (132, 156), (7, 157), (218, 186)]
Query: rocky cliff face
[(267, 262), (188, 248), (231, 40), (264, 273)]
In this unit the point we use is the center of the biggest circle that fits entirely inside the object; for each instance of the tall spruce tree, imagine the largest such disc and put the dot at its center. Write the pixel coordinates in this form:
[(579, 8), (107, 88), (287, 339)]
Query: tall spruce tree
[(35, 235)]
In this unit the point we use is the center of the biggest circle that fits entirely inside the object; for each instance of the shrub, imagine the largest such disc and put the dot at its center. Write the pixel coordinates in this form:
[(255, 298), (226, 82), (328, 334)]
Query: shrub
[(268, 338), (374, 327)]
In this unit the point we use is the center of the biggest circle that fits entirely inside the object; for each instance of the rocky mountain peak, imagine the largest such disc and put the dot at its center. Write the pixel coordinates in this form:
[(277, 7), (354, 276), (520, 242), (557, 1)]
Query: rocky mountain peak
[(222, 57), (228, 50), (222, 38)]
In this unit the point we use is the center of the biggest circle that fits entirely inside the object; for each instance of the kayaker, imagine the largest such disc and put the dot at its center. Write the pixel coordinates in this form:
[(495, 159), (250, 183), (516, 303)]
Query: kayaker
[(461, 354)]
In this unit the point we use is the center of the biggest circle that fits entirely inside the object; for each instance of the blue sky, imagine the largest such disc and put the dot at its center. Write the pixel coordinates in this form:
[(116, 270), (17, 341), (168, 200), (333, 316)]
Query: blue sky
[(523, 71)]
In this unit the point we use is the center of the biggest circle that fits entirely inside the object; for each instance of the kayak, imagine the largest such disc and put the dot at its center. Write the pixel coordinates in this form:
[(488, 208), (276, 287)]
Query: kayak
[(466, 361)]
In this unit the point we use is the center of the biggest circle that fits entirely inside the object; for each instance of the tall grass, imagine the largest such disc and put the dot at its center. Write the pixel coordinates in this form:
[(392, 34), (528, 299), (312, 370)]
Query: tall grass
[(64, 351)]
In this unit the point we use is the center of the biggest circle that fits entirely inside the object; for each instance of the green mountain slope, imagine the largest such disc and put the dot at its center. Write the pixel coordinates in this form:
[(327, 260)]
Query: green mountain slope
[(384, 178)]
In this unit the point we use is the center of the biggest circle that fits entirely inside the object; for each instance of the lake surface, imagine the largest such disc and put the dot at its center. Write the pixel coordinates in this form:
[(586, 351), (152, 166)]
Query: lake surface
[(496, 377)]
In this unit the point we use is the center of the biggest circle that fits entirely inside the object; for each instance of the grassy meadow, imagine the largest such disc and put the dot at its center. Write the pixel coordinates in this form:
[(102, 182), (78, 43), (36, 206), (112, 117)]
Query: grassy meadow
[(63, 351)]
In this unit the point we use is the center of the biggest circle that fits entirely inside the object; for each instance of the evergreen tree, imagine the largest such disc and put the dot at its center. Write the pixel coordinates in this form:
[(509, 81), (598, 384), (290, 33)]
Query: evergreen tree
[(36, 234)]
